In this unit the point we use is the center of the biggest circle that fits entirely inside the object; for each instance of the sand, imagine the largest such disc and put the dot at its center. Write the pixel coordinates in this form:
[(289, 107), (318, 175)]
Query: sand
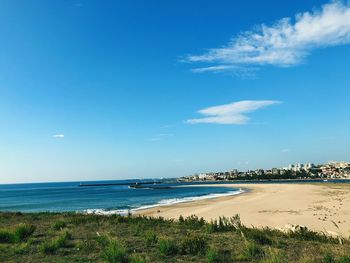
[(320, 207)]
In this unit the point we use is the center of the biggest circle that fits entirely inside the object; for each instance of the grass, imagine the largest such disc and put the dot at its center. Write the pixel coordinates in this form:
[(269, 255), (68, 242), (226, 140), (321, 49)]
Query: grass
[(19, 234), (6, 236), (136, 259), (192, 222), (261, 237), (168, 247), (71, 237), (213, 256), (114, 252), (194, 244), (253, 252), (59, 225), (151, 238), (52, 246)]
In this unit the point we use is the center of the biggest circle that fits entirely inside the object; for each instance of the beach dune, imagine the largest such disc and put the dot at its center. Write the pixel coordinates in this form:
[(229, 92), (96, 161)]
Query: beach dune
[(320, 207)]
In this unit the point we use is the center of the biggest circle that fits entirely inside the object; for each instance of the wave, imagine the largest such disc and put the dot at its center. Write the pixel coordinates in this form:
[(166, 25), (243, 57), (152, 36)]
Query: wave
[(164, 202)]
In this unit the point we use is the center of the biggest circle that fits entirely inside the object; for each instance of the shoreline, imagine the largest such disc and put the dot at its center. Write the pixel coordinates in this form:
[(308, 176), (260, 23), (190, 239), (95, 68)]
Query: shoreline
[(323, 208), (167, 202)]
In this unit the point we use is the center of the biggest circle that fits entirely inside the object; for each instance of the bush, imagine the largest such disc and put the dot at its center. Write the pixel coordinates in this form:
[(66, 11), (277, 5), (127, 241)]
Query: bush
[(23, 232), (211, 227), (213, 256), (53, 245), (194, 244), (224, 224), (168, 247), (151, 238), (6, 236), (59, 225), (192, 222), (114, 252)]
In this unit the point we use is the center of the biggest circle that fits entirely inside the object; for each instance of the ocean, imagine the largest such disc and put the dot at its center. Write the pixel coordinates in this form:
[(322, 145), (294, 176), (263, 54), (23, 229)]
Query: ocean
[(102, 199)]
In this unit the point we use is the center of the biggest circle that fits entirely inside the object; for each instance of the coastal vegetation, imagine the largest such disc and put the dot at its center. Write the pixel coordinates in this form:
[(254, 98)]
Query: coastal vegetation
[(72, 237)]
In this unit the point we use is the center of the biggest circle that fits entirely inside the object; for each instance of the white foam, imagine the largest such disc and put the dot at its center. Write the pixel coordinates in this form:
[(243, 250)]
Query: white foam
[(166, 202), (106, 212)]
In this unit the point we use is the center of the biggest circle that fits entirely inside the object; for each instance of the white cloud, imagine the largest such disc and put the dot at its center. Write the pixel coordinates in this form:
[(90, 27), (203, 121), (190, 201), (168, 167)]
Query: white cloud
[(285, 43), (284, 150), (58, 136), (233, 113), (161, 136), (155, 139)]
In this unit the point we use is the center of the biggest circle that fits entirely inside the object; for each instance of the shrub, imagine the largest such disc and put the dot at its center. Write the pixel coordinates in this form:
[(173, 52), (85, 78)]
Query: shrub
[(53, 245), (59, 225), (168, 247), (194, 244), (114, 252), (224, 224), (192, 222), (6, 236), (213, 256), (23, 232), (211, 227), (151, 238)]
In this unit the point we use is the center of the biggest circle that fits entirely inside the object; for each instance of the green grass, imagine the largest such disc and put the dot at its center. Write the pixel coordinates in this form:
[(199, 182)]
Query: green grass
[(136, 259), (168, 247), (71, 237), (151, 238), (6, 236), (20, 233), (194, 244), (344, 259), (52, 246), (213, 256), (114, 252), (59, 225), (253, 252)]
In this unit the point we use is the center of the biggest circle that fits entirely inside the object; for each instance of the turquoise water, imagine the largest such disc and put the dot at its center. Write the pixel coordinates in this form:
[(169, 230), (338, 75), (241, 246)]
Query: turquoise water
[(69, 196)]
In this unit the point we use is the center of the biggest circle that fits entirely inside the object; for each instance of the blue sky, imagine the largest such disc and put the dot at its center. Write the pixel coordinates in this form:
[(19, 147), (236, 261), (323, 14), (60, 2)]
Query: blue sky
[(94, 90)]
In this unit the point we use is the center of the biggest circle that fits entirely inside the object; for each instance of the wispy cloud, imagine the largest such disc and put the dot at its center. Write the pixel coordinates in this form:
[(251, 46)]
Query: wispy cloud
[(233, 113), (155, 139), (284, 150), (58, 136), (161, 136), (285, 43)]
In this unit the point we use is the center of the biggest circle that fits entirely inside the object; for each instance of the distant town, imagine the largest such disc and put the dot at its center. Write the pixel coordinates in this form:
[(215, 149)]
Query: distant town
[(331, 170)]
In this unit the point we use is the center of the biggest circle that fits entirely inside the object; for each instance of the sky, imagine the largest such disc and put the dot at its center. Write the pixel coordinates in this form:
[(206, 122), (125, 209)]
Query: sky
[(100, 90)]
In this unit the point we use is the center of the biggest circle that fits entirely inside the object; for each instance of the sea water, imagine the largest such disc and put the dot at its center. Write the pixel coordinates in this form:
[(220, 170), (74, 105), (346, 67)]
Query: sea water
[(103, 199)]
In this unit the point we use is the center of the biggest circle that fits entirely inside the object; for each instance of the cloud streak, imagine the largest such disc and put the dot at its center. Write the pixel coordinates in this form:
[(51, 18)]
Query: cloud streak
[(285, 43), (161, 136), (58, 136), (233, 113)]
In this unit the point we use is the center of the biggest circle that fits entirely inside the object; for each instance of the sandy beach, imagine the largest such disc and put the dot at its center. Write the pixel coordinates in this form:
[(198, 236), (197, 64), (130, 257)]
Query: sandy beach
[(321, 207)]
